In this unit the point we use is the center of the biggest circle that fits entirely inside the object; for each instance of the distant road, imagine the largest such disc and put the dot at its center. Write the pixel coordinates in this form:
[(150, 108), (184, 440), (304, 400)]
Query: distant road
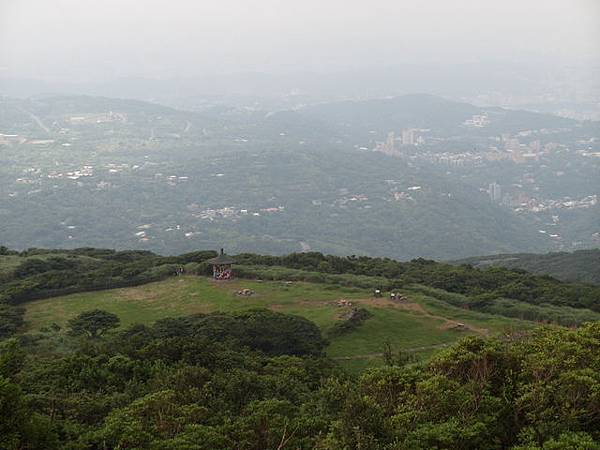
[(37, 120)]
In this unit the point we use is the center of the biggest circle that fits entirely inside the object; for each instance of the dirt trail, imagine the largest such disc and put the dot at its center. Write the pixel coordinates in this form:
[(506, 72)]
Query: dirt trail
[(410, 306), (446, 324), (417, 308)]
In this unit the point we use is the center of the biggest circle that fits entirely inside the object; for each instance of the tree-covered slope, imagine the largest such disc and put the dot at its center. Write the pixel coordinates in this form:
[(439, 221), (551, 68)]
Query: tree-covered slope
[(582, 266), (427, 112), (258, 380)]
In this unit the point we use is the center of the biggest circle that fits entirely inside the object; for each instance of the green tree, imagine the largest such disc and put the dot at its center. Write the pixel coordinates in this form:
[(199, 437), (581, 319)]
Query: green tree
[(12, 358), (20, 427), (93, 323), (566, 441), (11, 318), (156, 416), (399, 358)]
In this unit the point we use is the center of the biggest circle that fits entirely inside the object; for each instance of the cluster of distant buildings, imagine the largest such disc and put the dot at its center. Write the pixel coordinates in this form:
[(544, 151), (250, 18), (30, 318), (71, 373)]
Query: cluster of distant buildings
[(231, 213), (416, 136), (506, 147), (17, 139), (144, 234), (348, 199), (522, 153), (408, 137), (97, 118), (535, 205), (522, 202), (85, 171), (477, 121)]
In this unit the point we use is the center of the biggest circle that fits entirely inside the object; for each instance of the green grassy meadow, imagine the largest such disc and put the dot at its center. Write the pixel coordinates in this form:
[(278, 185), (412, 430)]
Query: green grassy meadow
[(418, 326)]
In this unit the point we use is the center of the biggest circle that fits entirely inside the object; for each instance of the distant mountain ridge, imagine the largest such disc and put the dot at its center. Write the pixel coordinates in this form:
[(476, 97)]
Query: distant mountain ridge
[(580, 266), (425, 111)]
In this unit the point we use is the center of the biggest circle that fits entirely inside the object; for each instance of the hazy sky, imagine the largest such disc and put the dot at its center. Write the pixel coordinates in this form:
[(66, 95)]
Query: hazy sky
[(80, 40)]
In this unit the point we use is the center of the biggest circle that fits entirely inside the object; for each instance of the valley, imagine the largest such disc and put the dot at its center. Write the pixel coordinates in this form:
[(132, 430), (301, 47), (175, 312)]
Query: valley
[(130, 174)]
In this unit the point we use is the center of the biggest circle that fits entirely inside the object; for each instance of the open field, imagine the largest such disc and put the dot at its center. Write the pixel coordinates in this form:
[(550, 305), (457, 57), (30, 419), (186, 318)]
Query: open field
[(418, 326)]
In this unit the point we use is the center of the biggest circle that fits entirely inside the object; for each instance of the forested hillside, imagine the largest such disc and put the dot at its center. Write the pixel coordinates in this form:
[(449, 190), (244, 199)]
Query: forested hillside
[(258, 381), (424, 111), (581, 266)]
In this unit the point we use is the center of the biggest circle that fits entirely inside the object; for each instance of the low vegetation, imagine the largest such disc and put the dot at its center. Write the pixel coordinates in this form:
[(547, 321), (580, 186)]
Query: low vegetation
[(351, 322)]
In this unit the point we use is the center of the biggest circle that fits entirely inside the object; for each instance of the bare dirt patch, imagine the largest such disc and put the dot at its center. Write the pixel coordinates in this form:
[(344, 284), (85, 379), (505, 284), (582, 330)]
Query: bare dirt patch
[(461, 326), (385, 303)]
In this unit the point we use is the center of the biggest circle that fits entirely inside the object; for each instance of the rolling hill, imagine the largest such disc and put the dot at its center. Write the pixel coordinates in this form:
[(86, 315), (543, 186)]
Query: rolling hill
[(443, 117), (42, 290), (582, 266), (417, 325)]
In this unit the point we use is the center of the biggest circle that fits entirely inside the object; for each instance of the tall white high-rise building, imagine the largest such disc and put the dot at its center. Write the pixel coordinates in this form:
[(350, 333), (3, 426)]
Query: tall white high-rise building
[(408, 137), (495, 192), (390, 141)]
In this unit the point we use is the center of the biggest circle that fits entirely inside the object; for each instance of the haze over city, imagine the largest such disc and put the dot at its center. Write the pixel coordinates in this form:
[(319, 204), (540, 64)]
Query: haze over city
[(80, 41)]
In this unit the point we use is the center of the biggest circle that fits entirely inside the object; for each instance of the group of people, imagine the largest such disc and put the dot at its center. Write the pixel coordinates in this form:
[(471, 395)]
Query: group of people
[(393, 295), (222, 273)]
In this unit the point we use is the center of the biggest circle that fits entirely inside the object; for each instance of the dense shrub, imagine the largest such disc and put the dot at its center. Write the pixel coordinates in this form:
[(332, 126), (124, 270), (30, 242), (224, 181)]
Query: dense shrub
[(354, 320), (260, 329), (191, 383), (11, 319)]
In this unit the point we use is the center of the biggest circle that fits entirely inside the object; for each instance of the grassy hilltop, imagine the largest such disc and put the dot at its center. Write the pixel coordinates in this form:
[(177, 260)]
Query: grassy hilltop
[(443, 302), (418, 325)]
